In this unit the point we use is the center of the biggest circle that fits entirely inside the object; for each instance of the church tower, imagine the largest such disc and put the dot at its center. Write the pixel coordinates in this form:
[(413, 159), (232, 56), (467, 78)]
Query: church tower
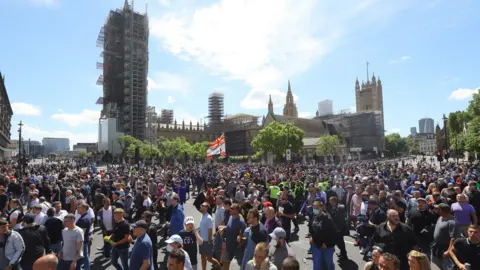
[(270, 105), (290, 108), (369, 95)]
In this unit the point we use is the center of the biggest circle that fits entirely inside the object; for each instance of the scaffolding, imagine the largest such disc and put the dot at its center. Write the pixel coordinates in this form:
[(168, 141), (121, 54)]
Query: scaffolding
[(215, 108), (151, 129), (124, 39), (166, 117)]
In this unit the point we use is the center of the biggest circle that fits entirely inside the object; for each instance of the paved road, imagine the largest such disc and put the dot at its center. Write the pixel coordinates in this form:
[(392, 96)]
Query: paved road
[(300, 245)]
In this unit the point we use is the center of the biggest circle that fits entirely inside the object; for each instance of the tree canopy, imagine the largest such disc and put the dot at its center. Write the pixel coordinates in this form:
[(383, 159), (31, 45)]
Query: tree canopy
[(397, 145), (328, 145), (178, 148), (463, 128), (277, 138)]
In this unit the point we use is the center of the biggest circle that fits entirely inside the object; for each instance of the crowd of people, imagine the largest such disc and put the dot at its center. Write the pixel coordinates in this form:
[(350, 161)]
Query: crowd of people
[(402, 215)]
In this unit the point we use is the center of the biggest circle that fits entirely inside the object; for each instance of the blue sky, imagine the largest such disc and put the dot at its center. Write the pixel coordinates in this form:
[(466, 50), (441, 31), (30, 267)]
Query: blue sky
[(425, 52)]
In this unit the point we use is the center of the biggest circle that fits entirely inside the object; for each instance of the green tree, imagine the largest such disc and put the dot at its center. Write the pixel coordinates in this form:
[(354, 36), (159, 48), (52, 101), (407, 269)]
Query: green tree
[(177, 148), (83, 155), (412, 146), (395, 144), (276, 137), (149, 150), (127, 144), (199, 150), (328, 145)]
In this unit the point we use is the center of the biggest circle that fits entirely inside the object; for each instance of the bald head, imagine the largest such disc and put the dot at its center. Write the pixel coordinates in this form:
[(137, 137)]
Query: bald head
[(47, 262)]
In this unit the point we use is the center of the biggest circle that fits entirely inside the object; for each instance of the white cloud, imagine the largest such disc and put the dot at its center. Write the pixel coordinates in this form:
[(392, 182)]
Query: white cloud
[(165, 3), (45, 2), (170, 100), (304, 114), (258, 98), (167, 81), (353, 109), (263, 42), (60, 110), (75, 120), (25, 109), (36, 134), (402, 59), (462, 93)]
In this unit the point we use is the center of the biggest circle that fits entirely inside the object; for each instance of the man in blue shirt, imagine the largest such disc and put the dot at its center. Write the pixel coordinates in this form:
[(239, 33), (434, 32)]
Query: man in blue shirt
[(85, 223), (141, 255)]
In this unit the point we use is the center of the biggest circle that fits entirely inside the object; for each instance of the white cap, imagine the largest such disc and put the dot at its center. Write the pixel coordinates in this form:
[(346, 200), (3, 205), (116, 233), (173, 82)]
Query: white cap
[(174, 239), (189, 220)]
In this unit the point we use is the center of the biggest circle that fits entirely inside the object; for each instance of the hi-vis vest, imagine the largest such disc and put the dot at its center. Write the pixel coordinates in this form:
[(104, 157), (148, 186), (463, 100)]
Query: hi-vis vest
[(274, 190)]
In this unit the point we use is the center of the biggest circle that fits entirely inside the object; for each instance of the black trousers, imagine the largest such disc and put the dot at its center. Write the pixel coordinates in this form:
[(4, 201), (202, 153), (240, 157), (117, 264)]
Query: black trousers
[(340, 243)]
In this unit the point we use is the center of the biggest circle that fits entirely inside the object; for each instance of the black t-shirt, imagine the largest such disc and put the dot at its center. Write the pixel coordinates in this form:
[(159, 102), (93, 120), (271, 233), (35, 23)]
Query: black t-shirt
[(378, 216), (287, 209), (401, 204), (54, 227), (190, 245), (3, 200), (121, 229), (467, 252), (85, 224)]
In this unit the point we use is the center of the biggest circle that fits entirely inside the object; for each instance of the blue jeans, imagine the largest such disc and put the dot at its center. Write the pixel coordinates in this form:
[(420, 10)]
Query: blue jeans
[(56, 248), (323, 256), (121, 253), (85, 260)]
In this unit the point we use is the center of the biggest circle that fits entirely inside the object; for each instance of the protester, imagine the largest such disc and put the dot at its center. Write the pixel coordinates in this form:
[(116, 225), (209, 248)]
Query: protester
[(141, 254), (47, 262)]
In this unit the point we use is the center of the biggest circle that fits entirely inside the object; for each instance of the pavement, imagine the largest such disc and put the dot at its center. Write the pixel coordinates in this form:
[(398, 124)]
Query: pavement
[(299, 244)]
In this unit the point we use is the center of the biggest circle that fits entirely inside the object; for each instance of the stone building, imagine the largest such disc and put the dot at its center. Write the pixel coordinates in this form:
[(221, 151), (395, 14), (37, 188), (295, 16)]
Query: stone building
[(369, 96), (191, 132), (6, 113), (312, 127)]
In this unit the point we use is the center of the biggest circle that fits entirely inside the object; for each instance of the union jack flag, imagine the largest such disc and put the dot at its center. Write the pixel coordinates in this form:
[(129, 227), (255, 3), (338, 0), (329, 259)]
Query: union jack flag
[(217, 142), (99, 65)]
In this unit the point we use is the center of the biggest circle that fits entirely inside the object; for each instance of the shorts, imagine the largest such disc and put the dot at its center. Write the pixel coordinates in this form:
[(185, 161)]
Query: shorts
[(229, 255), (206, 249)]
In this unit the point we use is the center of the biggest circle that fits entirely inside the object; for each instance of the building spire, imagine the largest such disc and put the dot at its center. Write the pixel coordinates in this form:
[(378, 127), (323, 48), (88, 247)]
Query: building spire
[(289, 88), (270, 105)]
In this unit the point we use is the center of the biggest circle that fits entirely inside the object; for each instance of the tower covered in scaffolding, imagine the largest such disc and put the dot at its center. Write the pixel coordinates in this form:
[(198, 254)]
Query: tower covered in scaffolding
[(215, 110), (124, 39), (166, 117)]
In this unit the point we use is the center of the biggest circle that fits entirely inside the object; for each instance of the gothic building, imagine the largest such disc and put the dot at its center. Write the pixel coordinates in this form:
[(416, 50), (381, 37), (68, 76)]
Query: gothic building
[(290, 108), (311, 127), (369, 96)]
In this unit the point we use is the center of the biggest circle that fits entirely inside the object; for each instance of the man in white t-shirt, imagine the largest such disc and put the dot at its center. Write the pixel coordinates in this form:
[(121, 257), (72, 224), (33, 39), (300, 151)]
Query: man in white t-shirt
[(72, 250), (40, 217)]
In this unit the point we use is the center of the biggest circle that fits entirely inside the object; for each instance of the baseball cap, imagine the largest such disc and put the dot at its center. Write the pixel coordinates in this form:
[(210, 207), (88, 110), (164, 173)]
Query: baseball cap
[(174, 239), (441, 206), (278, 233), (140, 224), (417, 183), (189, 220)]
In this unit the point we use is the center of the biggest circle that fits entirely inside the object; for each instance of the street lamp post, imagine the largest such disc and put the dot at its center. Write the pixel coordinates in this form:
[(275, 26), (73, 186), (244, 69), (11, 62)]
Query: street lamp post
[(446, 131), (20, 152)]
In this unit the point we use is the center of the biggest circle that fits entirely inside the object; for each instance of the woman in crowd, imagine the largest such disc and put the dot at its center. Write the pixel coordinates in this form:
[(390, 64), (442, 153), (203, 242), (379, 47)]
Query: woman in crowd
[(418, 261)]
